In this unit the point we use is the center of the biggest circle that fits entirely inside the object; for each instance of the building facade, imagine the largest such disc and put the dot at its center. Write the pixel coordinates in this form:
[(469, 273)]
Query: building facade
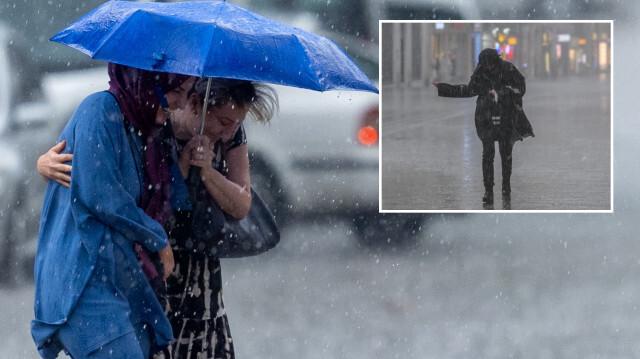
[(414, 53)]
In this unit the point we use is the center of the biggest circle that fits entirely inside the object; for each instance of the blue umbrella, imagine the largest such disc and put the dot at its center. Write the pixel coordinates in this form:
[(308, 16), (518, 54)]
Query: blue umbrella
[(212, 39)]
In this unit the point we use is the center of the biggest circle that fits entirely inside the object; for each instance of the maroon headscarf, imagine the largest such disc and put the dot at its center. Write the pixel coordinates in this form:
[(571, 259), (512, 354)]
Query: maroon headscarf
[(138, 99)]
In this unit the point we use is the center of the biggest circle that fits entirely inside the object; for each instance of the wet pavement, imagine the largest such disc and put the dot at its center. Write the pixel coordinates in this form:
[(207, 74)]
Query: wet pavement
[(431, 155), (475, 286)]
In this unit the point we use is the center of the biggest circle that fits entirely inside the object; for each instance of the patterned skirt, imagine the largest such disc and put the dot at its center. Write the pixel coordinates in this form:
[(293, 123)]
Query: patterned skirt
[(195, 308)]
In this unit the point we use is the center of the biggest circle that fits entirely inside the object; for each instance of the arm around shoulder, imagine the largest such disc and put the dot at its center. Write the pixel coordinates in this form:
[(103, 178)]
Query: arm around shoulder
[(53, 165)]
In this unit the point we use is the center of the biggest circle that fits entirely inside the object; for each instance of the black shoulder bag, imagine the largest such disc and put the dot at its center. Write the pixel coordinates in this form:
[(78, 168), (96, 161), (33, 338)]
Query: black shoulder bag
[(227, 237), (254, 234)]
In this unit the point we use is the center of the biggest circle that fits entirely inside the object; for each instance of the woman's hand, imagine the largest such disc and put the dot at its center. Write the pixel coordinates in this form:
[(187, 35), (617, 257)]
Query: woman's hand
[(435, 83), (198, 152), (492, 92), (168, 263), (52, 165), (232, 192)]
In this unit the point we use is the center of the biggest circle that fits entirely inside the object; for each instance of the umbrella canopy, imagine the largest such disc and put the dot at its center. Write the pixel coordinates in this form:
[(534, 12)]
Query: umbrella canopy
[(212, 39)]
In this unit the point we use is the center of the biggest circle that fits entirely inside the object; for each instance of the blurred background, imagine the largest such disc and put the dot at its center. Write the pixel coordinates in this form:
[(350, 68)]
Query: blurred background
[(347, 282), (448, 51)]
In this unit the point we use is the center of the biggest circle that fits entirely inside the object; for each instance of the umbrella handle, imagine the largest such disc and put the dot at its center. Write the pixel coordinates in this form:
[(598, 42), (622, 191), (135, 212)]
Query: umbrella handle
[(204, 106), (194, 172), (192, 183)]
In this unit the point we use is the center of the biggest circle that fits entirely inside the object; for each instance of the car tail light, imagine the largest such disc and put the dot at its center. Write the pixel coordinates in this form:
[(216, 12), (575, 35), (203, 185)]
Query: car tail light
[(369, 129)]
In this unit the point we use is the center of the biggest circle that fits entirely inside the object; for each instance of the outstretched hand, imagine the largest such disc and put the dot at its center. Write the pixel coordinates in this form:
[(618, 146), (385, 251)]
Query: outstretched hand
[(435, 83), (52, 165)]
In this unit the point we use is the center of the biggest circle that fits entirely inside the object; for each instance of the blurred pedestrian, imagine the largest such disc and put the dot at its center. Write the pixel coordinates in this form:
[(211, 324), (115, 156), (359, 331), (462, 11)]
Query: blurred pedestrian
[(195, 306), (452, 61), (499, 115), (91, 297), (435, 68)]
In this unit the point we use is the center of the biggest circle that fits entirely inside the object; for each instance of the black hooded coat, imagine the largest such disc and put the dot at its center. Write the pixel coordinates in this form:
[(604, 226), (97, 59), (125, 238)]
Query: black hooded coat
[(510, 86)]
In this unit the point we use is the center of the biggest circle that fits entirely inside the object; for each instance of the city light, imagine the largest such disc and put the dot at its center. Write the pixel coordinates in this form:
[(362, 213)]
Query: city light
[(603, 56)]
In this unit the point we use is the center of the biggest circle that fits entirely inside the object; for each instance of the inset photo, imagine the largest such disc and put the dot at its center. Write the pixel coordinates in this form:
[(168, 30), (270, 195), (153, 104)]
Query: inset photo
[(496, 116)]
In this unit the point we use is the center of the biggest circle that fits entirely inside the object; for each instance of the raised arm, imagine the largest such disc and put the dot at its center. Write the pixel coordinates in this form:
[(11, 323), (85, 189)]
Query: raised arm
[(447, 90)]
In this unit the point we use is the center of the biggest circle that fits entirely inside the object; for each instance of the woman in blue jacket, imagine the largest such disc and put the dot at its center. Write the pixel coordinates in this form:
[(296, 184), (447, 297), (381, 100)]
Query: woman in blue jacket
[(92, 298)]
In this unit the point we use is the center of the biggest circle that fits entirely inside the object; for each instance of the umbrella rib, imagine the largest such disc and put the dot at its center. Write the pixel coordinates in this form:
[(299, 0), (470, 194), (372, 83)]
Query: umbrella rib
[(311, 72), (204, 61), (113, 31)]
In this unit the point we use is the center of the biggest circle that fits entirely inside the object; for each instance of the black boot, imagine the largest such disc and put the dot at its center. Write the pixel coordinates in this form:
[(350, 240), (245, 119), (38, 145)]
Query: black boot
[(506, 169), (488, 194), (506, 202), (506, 186), (487, 177), (506, 192)]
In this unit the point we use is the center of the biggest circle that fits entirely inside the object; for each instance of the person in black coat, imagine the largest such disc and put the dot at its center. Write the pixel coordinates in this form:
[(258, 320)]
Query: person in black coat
[(499, 115)]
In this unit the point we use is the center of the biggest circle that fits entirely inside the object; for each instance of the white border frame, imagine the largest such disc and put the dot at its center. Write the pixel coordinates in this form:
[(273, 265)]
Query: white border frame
[(611, 24)]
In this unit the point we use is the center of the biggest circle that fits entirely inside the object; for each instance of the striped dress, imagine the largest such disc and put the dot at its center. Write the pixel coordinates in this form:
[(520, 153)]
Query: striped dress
[(196, 310), (194, 290)]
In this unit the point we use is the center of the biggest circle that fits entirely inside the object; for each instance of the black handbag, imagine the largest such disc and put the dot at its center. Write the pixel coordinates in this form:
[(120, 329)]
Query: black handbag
[(222, 235), (254, 234), (226, 237)]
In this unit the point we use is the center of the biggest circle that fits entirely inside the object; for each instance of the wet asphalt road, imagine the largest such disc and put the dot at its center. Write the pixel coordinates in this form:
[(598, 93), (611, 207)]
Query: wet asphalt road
[(475, 286), (431, 155)]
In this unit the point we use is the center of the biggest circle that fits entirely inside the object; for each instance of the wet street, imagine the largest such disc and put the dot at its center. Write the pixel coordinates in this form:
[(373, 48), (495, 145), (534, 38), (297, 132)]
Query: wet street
[(475, 286), (431, 155)]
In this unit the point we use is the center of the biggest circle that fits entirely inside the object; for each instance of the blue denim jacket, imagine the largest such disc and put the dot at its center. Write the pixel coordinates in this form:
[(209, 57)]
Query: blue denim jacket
[(80, 224)]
